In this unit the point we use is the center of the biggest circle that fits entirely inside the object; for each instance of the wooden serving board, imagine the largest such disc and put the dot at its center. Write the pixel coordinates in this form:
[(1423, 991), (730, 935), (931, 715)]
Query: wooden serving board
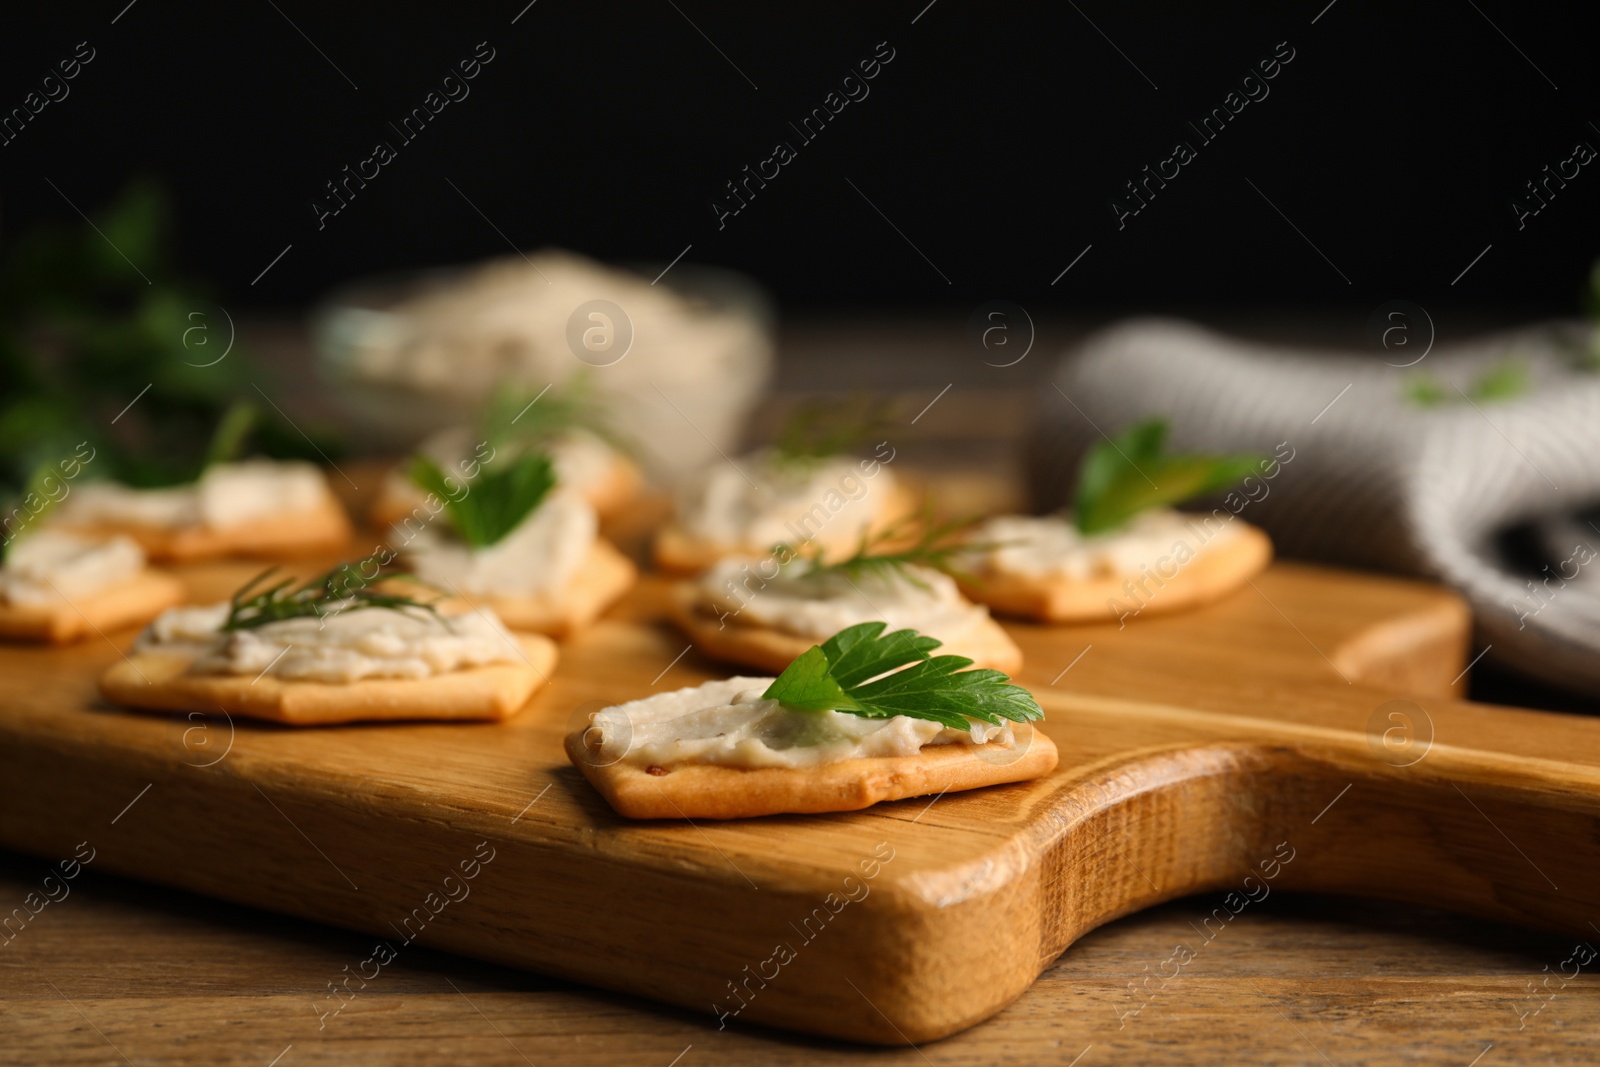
[(1251, 747)]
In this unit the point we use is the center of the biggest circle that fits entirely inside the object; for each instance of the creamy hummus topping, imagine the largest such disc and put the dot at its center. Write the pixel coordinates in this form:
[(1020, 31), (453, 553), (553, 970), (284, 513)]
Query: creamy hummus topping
[(1050, 546), (763, 501), (917, 598), (226, 495), (48, 565), (539, 556), (341, 646), (728, 723)]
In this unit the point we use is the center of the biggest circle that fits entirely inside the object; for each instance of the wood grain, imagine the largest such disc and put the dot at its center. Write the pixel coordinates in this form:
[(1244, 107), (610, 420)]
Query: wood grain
[(1244, 735)]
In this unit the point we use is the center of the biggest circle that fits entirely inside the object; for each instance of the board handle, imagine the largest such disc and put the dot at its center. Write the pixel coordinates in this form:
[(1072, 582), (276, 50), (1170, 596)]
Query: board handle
[(1480, 834)]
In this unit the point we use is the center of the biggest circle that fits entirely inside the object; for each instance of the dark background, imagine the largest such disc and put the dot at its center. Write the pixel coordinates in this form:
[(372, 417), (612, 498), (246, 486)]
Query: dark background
[(994, 140)]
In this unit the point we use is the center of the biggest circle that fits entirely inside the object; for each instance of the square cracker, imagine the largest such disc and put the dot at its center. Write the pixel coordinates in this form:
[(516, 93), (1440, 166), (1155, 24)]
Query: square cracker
[(1211, 575), (160, 681), (130, 602), (604, 575), (770, 649), (710, 791), (301, 533)]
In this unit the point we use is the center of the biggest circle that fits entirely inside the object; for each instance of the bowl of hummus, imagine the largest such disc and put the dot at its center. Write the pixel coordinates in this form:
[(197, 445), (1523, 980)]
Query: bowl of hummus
[(680, 360)]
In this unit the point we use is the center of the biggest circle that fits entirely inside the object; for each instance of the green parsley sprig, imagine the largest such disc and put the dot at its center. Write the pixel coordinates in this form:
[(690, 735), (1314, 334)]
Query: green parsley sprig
[(490, 506), (1131, 472), (859, 670), (341, 589)]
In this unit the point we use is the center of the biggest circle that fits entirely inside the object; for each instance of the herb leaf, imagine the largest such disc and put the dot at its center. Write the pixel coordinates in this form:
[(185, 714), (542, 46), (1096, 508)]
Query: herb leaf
[(516, 416), (839, 674), (820, 429), (1130, 473), (936, 548), (488, 508), (341, 589)]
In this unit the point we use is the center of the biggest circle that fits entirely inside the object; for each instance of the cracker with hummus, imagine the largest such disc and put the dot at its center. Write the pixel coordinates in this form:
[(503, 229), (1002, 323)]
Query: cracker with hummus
[(1122, 551), (255, 507), (59, 587), (335, 649), (862, 718), (569, 423), (764, 612), (815, 503), (513, 539)]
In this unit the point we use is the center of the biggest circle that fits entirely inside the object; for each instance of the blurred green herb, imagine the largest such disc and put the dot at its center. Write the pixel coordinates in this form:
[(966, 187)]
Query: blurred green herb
[(820, 429), (102, 340), (516, 416), (490, 506), (1130, 473), (1424, 390), (1505, 380), (341, 589)]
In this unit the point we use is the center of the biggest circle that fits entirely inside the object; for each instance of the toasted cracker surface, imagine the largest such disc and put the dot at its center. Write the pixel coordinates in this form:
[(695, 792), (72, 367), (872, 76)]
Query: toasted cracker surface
[(325, 529), (710, 791), (1214, 572), (160, 681), (771, 649), (131, 602)]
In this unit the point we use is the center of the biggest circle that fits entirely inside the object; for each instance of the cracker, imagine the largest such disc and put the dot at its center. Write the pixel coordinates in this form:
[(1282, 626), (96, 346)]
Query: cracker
[(681, 552), (710, 791), (604, 575), (131, 602), (160, 681), (770, 649), (300, 533), (1214, 572), (397, 498)]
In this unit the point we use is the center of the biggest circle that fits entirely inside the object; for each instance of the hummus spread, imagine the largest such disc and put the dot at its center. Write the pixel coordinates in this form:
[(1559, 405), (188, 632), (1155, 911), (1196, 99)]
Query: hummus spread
[(226, 495), (1050, 546), (728, 723), (819, 606), (46, 566), (539, 556), (341, 646), (761, 501)]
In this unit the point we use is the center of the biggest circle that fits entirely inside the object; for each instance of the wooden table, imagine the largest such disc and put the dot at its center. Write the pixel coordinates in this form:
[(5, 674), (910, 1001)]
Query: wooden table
[(161, 976), (120, 972)]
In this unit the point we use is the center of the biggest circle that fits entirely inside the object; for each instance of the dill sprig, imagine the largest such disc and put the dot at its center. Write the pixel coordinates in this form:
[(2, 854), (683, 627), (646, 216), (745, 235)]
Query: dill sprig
[(820, 429), (516, 416), (491, 505), (937, 547), (341, 589)]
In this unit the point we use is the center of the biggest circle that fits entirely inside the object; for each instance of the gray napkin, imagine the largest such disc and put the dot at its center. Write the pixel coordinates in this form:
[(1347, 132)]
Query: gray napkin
[(1378, 479)]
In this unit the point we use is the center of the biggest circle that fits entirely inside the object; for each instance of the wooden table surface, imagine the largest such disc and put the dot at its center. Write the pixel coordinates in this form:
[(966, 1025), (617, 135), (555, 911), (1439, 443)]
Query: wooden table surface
[(121, 972)]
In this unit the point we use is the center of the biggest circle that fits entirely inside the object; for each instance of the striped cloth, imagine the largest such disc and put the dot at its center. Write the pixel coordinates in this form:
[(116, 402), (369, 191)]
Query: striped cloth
[(1377, 479)]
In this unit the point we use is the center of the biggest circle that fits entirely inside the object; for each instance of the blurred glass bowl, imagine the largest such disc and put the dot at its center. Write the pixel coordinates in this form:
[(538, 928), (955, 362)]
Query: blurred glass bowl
[(411, 354)]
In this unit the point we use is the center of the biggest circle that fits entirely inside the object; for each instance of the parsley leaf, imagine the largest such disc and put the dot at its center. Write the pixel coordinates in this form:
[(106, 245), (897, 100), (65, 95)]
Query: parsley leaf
[(859, 670), (1130, 473), (484, 510)]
